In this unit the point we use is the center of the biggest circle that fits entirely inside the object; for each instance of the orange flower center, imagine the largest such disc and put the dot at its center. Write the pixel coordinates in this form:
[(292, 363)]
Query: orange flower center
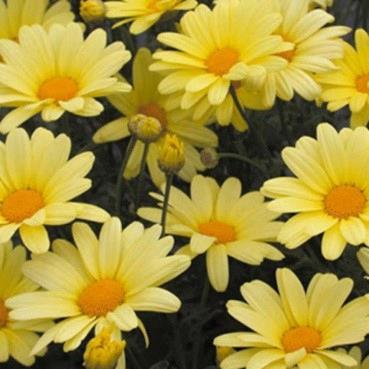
[(101, 297), (221, 231), (58, 88), (155, 111), (21, 205), (288, 55), (344, 201), (222, 60), (152, 5), (3, 314), (301, 337), (362, 84)]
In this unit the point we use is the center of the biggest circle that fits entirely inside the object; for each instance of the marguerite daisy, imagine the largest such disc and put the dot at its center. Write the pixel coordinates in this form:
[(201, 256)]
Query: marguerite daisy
[(220, 222), (16, 338), (16, 13), (144, 13), (218, 47), (330, 193), (314, 48), (294, 328), (349, 85), (100, 283), (57, 71), (145, 99), (37, 182)]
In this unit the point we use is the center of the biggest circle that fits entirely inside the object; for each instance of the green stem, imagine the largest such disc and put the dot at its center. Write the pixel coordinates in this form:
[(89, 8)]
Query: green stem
[(89, 147), (119, 183), (253, 128), (231, 155), (169, 181), (141, 175)]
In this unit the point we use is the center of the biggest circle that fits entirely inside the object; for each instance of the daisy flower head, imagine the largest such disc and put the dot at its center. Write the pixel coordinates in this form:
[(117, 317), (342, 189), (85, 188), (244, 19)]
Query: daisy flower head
[(220, 222), (145, 99), (217, 48), (51, 72), (294, 328), (16, 338), (144, 13), (314, 47), (349, 84), (16, 13), (100, 283), (329, 192), (38, 182)]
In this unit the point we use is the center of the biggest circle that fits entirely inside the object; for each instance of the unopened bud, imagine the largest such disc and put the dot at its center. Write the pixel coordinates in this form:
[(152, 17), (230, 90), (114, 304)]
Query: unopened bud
[(209, 157), (146, 129), (102, 352), (171, 154), (92, 10)]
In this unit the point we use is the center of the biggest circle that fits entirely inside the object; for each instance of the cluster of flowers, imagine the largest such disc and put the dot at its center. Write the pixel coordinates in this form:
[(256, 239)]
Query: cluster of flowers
[(236, 54)]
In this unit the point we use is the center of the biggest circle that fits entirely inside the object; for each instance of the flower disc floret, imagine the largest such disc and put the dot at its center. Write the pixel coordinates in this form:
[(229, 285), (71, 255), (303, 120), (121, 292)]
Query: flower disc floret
[(21, 204), (223, 232), (58, 88), (301, 337), (101, 297), (3, 314), (344, 201)]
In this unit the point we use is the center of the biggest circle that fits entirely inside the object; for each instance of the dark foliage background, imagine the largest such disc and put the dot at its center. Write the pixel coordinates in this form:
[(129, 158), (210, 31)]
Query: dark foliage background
[(184, 340)]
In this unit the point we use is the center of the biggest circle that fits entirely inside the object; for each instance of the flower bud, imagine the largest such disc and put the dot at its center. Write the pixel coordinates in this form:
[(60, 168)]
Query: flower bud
[(209, 157), (92, 10), (146, 129), (171, 154), (102, 352)]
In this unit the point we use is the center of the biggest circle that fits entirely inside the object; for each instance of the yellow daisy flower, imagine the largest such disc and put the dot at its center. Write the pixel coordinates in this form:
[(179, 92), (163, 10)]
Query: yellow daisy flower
[(57, 71), (100, 283), (145, 99), (314, 48), (349, 85), (330, 193), (220, 222), (144, 13), (16, 13), (37, 182), (215, 48), (295, 328), (16, 338)]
